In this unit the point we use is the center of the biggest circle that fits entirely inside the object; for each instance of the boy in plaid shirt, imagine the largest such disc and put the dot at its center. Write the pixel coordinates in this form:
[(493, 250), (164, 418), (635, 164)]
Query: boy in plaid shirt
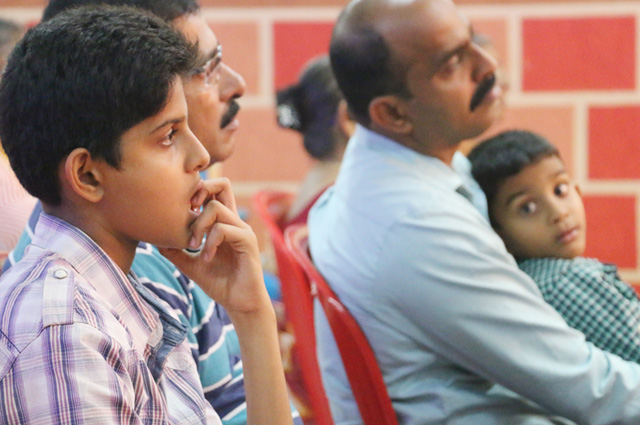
[(537, 209)]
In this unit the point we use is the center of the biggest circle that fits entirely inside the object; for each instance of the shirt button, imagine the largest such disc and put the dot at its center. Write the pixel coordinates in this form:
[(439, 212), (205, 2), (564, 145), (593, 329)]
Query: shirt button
[(60, 274)]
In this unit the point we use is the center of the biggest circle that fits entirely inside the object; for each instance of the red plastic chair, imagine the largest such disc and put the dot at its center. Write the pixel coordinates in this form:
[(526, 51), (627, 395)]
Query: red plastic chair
[(271, 207), (358, 358)]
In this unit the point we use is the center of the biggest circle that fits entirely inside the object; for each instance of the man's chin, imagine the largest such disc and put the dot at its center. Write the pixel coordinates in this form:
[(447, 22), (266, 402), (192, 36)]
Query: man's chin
[(223, 147)]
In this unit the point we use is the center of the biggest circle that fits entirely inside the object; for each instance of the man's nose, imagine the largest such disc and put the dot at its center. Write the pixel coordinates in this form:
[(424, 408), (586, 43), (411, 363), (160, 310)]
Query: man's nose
[(232, 85)]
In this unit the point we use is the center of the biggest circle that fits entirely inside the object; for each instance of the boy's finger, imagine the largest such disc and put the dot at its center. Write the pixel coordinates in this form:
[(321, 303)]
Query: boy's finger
[(220, 190), (213, 212), (224, 233)]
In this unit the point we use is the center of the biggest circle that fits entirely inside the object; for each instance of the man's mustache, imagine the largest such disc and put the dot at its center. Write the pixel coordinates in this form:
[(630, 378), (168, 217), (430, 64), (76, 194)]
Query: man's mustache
[(231, 113), (483, 89)]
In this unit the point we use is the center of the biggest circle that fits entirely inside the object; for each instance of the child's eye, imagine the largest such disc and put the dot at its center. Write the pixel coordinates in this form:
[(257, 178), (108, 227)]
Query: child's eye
[(561, 190), (168, 139), (528, 208)]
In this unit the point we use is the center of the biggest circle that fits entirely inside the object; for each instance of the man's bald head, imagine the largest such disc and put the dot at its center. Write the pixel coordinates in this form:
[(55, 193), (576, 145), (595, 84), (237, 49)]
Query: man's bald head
[(361, 57)]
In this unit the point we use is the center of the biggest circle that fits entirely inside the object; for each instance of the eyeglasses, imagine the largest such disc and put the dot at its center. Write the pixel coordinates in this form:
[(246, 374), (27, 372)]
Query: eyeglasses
[(212, 68)]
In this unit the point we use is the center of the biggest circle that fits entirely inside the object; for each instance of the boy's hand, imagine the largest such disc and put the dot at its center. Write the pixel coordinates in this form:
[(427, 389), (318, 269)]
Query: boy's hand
[(228, 266)]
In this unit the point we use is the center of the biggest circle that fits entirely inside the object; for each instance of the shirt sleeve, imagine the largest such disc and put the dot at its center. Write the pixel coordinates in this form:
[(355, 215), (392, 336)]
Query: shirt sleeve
[(457, 284), (70, 374), (592, 299)]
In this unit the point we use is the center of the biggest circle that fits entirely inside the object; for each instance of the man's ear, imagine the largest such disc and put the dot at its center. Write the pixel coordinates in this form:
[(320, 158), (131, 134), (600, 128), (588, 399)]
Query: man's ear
[(346, 124), (82, 175), (391, 113)]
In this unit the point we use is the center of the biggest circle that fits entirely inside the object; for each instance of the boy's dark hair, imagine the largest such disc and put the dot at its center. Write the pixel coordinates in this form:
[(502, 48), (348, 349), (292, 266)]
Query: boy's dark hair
[(168, 10), (311, 107), (505, 155), (83, 79)]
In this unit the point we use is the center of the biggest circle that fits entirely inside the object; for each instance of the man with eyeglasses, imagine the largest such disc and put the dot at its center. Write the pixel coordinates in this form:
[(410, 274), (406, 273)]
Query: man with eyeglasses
[(211, 91)]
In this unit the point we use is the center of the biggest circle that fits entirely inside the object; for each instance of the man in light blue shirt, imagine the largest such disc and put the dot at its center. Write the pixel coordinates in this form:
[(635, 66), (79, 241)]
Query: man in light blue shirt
[(461, 335)]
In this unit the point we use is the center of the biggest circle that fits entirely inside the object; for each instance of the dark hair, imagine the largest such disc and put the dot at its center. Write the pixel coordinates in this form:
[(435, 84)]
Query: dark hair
[(361, 62), (167, 10), (81, 80), (311, 107), (505, 155)]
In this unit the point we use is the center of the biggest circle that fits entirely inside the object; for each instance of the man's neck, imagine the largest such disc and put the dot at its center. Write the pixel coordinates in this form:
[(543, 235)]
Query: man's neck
[(442, 150)]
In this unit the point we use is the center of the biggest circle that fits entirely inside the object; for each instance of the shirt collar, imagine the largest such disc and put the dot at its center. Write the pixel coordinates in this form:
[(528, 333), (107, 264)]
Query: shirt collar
[(433, 168)]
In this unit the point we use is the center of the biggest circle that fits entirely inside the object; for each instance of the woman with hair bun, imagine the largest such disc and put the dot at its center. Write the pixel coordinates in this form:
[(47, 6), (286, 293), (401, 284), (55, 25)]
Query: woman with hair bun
[(315, 108)]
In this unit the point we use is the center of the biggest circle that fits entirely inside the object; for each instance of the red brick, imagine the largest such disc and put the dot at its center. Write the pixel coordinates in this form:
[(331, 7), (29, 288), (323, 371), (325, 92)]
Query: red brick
[(294, 44), (611, 229), (240, 49), (613, 142), (579, 54), (554, 123), (264, 151)]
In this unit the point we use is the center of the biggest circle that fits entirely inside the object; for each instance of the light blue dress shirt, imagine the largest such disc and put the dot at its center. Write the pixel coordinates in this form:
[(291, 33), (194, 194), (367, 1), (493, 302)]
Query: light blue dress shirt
[(462, 336)]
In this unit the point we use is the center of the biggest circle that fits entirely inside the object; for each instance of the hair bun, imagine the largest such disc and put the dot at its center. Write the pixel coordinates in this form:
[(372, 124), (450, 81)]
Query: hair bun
[(288, 102)]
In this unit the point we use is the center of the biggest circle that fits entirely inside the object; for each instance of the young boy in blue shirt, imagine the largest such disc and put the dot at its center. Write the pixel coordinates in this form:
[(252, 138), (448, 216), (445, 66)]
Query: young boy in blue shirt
[(537, 209), (93, 119)]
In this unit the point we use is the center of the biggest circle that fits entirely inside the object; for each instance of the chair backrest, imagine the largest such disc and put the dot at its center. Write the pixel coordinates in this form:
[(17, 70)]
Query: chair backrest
[(271, 207), (358, 358)]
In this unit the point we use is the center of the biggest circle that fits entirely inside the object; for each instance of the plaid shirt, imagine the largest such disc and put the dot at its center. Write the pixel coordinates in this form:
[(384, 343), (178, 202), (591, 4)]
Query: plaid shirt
[(80, 342), (590, 296)]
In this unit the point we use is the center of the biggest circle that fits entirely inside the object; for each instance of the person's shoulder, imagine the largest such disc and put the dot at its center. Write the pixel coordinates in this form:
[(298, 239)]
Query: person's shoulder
[(550, 269), (36, 293), (153, 269)]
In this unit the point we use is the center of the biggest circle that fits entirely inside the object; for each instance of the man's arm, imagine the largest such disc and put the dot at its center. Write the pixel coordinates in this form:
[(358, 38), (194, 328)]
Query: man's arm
[(466, 294)]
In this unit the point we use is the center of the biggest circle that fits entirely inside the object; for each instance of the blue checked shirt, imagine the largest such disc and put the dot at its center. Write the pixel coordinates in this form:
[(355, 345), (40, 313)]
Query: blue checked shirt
[(80, 342), (590, 296)]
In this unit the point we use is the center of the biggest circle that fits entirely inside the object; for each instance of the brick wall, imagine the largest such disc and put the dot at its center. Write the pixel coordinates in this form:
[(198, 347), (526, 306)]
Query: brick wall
[(573, 73)]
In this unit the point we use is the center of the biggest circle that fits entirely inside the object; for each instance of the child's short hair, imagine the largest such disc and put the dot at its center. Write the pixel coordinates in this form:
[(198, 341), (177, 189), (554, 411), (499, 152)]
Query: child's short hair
[(168, 10), (83, 79), (505, 155)]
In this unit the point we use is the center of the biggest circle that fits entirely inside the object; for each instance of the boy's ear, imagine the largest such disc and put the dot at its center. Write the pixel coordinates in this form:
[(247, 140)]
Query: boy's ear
[(391, 114), (82, 175)]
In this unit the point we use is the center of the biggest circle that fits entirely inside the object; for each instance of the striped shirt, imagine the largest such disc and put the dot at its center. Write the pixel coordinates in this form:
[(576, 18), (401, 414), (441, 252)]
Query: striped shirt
[(210, 333), (591, 298), (80, 342)]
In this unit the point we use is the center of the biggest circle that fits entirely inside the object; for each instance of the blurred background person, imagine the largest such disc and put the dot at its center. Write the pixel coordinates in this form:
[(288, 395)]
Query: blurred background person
[(15, 203), (315, 108)]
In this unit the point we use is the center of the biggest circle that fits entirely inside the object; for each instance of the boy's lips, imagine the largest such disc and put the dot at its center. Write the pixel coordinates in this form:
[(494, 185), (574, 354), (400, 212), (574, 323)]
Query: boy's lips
[(197, 199), (568, 236)]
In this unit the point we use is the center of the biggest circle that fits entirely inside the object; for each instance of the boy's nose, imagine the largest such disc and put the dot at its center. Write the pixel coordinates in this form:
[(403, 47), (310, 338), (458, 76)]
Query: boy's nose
[(559, 211), (198, 158)]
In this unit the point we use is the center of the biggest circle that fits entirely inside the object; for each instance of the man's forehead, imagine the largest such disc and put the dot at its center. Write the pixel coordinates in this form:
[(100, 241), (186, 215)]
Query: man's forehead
[(196, 30), (433, 32)]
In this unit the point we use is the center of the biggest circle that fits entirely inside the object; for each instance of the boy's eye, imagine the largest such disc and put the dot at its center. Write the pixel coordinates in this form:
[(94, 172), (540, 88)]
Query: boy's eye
[(528, 208), (168, 139), (561, 190)]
